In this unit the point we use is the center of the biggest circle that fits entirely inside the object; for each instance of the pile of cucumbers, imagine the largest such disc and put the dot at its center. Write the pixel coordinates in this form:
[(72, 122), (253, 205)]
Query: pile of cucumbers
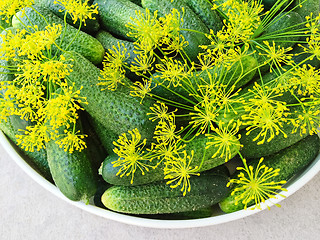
[(111, 113)]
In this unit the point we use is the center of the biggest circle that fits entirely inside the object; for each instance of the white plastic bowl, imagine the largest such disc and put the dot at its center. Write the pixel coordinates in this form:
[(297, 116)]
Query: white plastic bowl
[(292, 186)]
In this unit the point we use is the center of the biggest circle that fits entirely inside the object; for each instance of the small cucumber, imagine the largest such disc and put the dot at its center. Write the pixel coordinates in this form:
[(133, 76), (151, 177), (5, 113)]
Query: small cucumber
[(116, 14), (90, 26), (203, 8), (290, 161), (72, 172), (198, 144), (197, 29), (159, 198), (250, 148), (84, 44), (116, 110)]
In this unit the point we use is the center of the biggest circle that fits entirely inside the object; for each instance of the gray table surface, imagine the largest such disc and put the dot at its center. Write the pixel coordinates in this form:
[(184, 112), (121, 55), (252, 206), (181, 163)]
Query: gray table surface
[(28, 211)]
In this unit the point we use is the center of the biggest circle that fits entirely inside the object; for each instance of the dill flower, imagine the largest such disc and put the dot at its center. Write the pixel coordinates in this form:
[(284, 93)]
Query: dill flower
[(130, 152), (173, 71), (178, 171), (203, 118), (276, 55), (143, 63), (313, 43), (9, 8), (71, 141), (141, 90), (224, 138), (307, 120), (160, 112), (256, 185), (79, 9), (166, 130)]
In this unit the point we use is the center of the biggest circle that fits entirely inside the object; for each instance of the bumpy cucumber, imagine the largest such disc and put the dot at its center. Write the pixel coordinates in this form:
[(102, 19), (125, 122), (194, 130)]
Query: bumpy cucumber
[(84, 44), (72, 172), (191, 21), (198, 144), (90, 26), (203, 9), (159, 198), (290, 161), (116, 14), (250, 148), (116, 110)]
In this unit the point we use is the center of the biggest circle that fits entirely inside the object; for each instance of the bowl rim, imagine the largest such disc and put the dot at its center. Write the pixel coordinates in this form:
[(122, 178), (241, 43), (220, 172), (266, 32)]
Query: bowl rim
[(292, 186)]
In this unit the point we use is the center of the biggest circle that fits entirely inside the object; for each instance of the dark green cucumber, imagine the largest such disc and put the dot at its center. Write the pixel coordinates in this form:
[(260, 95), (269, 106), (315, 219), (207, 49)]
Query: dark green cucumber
[(160, 198), (250, 148), (203, 9), (290, 161), (116, 14), (90, 26), (72, 172), (116, 110), (84, 44), (198, 144), (195, 36), (306, 7)]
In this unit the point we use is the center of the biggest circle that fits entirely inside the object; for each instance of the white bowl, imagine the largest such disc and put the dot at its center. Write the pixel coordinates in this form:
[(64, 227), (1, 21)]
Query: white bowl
[(292, 186)]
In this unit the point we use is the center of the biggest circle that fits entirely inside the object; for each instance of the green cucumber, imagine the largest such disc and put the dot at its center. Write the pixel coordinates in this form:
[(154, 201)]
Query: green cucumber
[(198, 144), (203, 8), (290, 161), (160, 198), (90, 26), (197, 29), (72, 172), (250, 148), (116, 14), (84, 44), (116, 110), (306, 7)]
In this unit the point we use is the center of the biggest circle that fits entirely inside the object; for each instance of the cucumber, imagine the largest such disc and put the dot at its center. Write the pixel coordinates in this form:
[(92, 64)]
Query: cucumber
[(198, 144), (250, 148), (159, 198), (203, 9), (84, 44), (191, 21), (290, 161), (72, 172), (116, 14), (90, 26), (305, 7), (116, 110)]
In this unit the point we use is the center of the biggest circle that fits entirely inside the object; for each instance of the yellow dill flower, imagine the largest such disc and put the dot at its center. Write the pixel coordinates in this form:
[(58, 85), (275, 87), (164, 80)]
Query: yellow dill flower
[(178, 171), (306, 80), (307, 120), (54, 71), (113, 72), (166, 130), (10, 43), (203, 118), (256, 185), (160, 112), (276, 55), (34, 137), (313, 46), (268, 120), (143, 63), (173, 71), (141, 90), (167, 150), (7, 106), (9, 8), (147, 29), (79, 9), (71, 141), (224, 138), (131, 154)]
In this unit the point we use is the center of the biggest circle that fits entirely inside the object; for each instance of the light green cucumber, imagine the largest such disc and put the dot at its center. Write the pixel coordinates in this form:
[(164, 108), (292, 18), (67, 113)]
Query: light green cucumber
[(116, 110), (160, 198), (116, 14), (290, 161), (82, 42), (195, 28)]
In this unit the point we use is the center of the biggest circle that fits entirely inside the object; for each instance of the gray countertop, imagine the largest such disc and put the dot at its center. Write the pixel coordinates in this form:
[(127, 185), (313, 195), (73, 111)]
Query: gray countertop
[(30, 212)]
